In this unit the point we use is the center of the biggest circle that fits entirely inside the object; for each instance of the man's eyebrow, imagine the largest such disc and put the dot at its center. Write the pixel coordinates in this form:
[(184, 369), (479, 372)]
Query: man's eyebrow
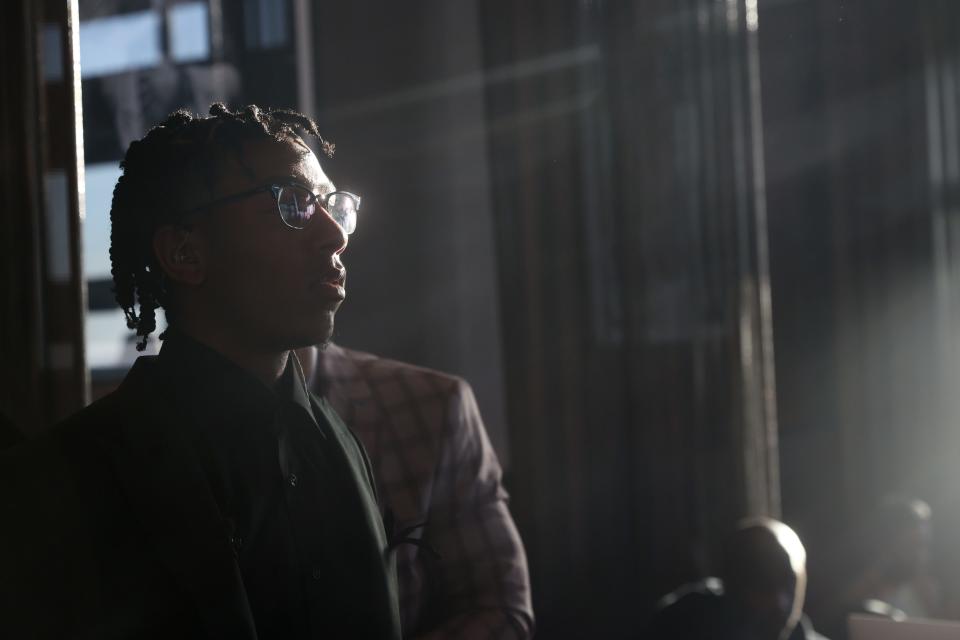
[(297, 140), (320, 188)]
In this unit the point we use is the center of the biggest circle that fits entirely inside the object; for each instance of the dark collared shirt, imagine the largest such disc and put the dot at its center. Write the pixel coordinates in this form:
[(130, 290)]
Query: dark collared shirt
[(285, 492)]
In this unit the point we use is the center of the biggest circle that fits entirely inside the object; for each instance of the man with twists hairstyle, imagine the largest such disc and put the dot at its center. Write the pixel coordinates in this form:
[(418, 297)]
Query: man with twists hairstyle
[(211, 495)]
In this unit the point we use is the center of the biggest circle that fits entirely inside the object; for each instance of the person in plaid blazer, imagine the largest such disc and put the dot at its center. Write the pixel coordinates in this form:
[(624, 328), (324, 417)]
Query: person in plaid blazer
[(461, 564)]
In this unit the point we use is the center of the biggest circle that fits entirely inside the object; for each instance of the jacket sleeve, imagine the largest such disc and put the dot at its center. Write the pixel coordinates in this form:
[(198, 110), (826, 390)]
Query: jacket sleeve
[(483, 568)]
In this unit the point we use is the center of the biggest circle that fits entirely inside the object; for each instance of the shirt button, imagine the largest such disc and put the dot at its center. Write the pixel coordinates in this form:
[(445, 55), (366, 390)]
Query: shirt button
[(292, 480), (316, 574)]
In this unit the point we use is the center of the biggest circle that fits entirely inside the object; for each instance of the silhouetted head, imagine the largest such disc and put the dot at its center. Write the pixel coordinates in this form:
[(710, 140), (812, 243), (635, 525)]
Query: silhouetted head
[(226, 220), (764, 574)]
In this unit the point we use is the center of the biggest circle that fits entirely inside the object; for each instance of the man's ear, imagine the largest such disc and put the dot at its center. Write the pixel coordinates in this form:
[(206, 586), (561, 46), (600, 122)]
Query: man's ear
[(180, 254)]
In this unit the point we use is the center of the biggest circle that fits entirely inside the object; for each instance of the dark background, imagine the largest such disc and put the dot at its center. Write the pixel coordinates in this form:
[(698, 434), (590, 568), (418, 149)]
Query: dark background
[(697, 258)]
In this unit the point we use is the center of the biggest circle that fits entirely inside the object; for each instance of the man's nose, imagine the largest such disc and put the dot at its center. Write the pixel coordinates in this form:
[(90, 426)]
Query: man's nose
[(328, 233)]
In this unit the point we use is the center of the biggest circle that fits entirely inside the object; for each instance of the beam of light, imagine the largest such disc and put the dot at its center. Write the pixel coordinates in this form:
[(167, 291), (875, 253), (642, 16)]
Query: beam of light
[(474, 81)]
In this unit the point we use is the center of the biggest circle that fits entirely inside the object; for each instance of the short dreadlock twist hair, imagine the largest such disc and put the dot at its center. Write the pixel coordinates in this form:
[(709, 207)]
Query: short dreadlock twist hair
[(159, 170)]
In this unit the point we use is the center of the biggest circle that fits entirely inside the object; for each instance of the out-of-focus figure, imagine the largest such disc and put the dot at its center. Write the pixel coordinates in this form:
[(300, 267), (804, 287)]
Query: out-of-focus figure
[(891, 577), (758, 596)]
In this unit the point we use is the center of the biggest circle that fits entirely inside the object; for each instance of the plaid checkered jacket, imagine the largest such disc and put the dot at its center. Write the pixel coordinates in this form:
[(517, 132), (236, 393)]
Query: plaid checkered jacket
[(460, 562)]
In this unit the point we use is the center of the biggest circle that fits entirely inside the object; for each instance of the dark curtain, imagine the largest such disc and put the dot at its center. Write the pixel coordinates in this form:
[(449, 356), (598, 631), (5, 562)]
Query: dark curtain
[(626, 161)]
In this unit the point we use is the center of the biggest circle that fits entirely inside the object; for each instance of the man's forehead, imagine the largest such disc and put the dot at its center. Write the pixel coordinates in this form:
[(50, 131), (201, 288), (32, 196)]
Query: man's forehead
[(301, 146), (256, 163), (291, 158)]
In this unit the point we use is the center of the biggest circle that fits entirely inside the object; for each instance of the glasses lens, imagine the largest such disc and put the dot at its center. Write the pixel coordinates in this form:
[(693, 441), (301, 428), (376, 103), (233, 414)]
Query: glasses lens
[(297, 206), (343, 209)]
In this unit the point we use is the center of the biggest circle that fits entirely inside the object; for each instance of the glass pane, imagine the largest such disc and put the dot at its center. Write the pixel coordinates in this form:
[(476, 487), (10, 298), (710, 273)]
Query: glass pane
[(120, 43), (189, 28), (100, 178)]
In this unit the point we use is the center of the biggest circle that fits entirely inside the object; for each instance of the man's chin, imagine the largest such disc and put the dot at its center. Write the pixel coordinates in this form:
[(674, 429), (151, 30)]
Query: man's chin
[(318, 335)]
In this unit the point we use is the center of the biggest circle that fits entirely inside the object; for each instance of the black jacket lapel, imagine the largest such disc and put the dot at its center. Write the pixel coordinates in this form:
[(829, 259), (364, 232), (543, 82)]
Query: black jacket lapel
[(161, 476), (382, 564)]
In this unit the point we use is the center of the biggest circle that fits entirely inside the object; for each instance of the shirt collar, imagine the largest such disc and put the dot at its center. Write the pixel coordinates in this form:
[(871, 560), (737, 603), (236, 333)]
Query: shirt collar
[(293, 386), (212, 382)]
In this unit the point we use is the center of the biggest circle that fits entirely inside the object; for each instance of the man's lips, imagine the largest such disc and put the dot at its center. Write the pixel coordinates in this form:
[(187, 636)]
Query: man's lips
[(332, 291), (331, 284)]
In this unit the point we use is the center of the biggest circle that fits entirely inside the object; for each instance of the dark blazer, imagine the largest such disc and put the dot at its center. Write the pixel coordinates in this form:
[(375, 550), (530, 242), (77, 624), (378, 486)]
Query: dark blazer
[(109, 529)]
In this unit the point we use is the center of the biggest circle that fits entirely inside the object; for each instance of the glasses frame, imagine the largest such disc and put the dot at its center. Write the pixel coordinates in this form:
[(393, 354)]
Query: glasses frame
[(276, 189)]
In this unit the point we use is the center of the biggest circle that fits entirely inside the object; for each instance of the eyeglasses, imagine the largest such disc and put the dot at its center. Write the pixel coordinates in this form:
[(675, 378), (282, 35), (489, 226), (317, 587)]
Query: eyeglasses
[(297, 205)]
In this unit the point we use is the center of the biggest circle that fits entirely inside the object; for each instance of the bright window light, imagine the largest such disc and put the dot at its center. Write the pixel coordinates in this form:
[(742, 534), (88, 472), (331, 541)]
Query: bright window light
[(189, 29), (100, 180), (120, 43)]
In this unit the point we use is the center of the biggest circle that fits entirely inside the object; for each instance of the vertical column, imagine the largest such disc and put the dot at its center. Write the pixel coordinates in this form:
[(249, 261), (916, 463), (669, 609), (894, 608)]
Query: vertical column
[(706, 313), (63, 190), (20, 333), (43, 369), (760, 457), (684, 83)]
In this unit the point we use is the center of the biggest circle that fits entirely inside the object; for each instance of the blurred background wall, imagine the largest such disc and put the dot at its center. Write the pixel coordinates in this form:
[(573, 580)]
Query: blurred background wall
[(697, 257)]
